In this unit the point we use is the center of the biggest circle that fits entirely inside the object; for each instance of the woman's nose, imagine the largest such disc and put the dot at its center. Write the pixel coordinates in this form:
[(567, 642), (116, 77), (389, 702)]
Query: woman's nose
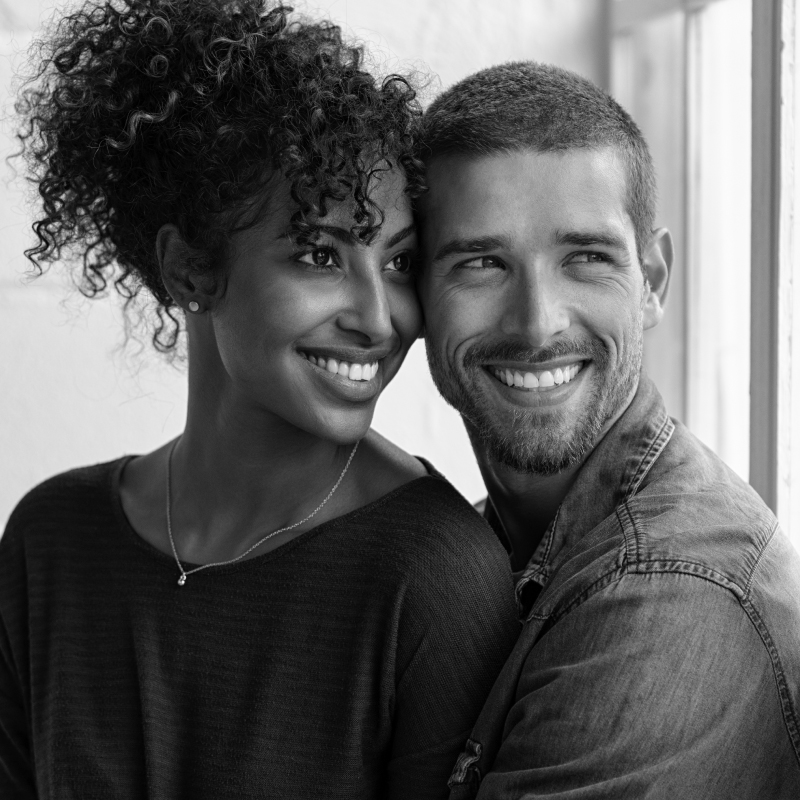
[(367, 309)]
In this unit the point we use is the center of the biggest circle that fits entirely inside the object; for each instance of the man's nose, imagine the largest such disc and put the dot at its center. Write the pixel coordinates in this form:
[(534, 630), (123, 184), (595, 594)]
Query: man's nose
[(537, 308), (367, 310)]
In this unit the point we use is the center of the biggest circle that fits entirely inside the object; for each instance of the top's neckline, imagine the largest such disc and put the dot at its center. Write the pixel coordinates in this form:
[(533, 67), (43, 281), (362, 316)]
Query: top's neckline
[(250, 563)]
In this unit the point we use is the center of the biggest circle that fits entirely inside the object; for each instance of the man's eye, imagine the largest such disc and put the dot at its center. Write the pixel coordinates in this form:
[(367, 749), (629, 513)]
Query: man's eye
[(318, 257), (482, 262), (589, 258), (401, 263)]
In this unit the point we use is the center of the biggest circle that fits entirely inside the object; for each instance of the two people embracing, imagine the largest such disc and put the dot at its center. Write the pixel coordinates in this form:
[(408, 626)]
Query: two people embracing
[(280, 602)]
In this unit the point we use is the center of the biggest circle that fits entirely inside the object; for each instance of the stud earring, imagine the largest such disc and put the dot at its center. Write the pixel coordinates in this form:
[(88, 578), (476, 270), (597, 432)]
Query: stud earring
[(194, 306)]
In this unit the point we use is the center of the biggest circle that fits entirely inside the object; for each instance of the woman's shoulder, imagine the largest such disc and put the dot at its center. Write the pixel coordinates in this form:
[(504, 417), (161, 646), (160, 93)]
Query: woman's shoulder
[(427, 524), (62, 501), (395, 482)]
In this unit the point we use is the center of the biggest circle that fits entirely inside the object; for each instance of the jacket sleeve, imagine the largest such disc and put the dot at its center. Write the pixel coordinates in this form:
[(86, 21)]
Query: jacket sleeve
[(658, 685), (459, 625)]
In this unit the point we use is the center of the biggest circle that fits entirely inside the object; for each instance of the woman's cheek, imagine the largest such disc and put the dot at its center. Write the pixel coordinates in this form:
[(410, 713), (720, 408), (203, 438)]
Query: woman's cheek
[(406, 313)]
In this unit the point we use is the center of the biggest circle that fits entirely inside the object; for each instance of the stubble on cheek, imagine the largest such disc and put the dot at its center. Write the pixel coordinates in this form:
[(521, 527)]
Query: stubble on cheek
[(538, 441)]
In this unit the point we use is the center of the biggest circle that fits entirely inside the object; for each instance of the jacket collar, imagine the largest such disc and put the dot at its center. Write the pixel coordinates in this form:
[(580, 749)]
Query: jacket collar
[(613, 472)]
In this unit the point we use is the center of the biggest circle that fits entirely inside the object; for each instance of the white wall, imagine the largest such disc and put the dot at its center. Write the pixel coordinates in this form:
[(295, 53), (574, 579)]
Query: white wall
[(70, 395)]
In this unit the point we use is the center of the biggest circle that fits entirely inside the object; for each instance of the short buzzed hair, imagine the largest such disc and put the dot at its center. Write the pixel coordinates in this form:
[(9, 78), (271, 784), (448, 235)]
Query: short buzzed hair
[(524, 105)]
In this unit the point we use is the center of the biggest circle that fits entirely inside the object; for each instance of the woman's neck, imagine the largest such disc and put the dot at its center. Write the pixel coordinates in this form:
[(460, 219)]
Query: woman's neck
[(238, 473)]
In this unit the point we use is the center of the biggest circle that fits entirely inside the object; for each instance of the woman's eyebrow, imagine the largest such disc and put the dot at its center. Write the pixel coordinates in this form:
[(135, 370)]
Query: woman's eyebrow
[(310, 234), (401, 234), (479, 244), (346, 236)]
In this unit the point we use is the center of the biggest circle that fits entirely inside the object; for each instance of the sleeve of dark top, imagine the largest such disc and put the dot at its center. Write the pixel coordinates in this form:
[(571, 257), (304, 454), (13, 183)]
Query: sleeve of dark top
[(459, 625), (16, 769), (658, 685)]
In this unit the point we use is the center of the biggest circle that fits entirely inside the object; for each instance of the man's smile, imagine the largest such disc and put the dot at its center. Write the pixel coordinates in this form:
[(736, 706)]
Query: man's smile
[(529, 379)]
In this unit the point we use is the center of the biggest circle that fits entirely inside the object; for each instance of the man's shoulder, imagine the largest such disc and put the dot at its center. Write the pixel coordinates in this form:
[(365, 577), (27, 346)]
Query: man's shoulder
[(692, 515), (692, 509)]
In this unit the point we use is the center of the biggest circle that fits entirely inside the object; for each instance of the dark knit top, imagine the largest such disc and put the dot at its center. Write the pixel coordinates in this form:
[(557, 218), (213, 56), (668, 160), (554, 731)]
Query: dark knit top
[(350, 662)]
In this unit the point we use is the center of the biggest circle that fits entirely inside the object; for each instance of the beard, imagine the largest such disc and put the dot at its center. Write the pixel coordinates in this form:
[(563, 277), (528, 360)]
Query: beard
[(538, 441)]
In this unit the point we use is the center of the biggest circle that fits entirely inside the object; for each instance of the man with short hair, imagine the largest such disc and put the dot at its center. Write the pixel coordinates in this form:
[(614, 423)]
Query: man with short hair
[(660, 652)]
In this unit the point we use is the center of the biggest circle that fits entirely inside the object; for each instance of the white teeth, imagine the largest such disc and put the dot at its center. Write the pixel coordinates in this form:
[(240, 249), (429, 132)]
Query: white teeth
[(546, 379), (531, 381), (354, 372), (535, 380)]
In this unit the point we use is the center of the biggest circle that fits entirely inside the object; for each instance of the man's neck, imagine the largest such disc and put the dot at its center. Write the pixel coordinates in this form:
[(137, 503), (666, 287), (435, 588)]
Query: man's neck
[(526, 504)]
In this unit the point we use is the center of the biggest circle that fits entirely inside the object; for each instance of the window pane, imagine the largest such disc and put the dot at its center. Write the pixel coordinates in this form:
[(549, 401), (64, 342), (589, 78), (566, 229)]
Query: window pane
[(647, 78), (789, 372), (718, 290), (685, 77)]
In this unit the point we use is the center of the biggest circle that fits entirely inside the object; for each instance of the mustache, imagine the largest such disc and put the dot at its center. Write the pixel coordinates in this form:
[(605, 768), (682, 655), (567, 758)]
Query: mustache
[(514, 350)]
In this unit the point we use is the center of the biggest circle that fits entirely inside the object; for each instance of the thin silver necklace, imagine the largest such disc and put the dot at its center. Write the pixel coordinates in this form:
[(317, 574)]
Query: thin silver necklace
[(185, 573)]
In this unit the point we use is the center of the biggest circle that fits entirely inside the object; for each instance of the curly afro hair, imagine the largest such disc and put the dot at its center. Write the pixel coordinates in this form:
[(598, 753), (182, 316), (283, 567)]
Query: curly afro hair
[(146, 112)]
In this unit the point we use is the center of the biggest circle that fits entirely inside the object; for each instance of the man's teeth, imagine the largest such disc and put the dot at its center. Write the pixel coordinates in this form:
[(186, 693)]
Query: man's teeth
[(537, 380), (355, 372)]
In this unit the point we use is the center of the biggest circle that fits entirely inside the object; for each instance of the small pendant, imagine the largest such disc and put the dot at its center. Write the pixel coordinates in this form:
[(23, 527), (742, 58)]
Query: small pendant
[(182, 580)]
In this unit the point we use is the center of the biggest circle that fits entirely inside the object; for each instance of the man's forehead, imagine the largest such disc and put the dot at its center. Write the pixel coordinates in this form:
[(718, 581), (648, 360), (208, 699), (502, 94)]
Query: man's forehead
[(563, 189), (456, 169)]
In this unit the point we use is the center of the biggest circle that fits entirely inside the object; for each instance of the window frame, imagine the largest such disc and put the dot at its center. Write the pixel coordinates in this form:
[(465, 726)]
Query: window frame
[(772, 247), (773, 251)]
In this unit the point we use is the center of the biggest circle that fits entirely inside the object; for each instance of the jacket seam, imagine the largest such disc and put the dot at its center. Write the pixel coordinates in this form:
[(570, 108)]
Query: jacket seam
[(654, 450), (789, 716), (559, 612), (659, 567), (752, 574), (629, 534), (684, 567)]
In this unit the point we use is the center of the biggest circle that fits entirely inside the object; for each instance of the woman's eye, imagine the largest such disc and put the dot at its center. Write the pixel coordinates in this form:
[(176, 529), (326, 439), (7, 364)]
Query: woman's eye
[(318, 257), (482, 262), (401, 263)]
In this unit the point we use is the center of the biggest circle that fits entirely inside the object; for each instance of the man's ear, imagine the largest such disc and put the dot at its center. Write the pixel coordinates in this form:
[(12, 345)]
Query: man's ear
[(657, 264), (179, 271)]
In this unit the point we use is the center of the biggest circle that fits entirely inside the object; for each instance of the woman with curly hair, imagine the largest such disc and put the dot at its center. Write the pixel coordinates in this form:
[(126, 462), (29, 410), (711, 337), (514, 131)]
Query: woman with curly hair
[(279, 603)]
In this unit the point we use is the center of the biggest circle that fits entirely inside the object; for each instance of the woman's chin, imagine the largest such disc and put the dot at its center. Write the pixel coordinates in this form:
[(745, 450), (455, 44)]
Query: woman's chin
[(343, 427)]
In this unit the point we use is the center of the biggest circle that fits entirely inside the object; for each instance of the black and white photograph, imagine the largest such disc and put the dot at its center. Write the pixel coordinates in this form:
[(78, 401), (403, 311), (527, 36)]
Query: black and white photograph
[(400, 400)]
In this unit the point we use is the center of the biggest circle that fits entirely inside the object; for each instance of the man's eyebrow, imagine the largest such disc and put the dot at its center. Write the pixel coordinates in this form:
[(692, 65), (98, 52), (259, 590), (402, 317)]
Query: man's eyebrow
[(479, 244), (608, 238)]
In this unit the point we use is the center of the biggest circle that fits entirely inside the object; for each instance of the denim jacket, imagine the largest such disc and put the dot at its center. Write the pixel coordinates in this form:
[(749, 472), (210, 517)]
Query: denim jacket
[(660, 656)]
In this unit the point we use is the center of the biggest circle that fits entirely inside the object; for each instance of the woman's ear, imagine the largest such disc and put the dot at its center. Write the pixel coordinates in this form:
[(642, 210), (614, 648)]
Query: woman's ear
[(657, 264), (174, 258), (185, 272)]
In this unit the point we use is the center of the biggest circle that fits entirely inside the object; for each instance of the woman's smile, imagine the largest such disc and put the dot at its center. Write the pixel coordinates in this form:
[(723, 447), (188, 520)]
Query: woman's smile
[(344, 383), (353, 371)]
